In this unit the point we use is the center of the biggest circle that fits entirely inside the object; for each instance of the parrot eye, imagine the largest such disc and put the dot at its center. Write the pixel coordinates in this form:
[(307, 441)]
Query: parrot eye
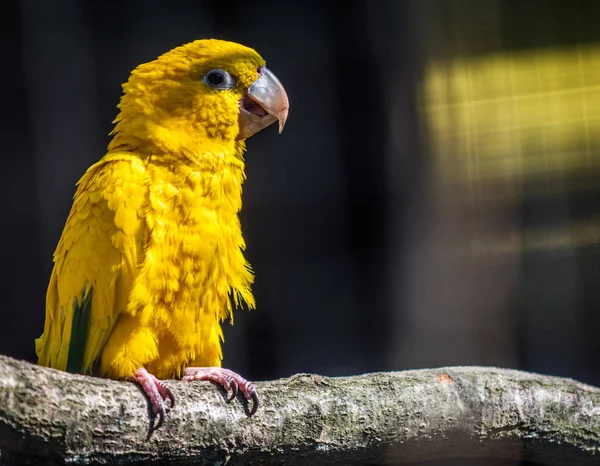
[(218, 79)]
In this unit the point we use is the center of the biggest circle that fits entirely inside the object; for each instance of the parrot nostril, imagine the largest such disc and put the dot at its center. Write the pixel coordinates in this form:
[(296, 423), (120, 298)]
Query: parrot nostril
[(259, 70)]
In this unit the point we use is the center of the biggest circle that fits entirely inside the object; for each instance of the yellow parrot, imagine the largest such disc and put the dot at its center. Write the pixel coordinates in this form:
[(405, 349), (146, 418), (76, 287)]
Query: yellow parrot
[(150, 262)]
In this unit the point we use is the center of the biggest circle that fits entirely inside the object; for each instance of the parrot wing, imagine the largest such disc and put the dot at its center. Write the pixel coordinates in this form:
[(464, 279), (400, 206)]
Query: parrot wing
[(95, 263)]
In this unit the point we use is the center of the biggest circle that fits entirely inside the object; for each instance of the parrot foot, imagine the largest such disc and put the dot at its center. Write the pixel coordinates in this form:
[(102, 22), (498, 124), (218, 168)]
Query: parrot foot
[(228, 379), (157, 391)]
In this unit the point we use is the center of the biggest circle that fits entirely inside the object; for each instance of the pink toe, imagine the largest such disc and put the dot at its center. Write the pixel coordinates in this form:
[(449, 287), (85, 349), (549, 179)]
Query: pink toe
[(157, 391), (228, 379)]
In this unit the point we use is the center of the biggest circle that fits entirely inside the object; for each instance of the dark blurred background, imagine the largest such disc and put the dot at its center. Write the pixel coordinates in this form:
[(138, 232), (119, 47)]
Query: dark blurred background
[(433, 200)]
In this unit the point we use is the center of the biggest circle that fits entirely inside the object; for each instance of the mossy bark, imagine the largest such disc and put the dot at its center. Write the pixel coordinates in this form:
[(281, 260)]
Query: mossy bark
[(50, 417)]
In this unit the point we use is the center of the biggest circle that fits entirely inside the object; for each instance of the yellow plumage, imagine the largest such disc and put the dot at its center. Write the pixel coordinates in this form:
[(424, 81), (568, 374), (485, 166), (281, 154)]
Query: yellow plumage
[(153, 247)]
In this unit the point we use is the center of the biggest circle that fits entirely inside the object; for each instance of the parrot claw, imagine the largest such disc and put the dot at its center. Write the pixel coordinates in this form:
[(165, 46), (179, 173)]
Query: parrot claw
[(158, 392), (234, 390), (254, 397), (166, 392), (160, 414), (228, 379)]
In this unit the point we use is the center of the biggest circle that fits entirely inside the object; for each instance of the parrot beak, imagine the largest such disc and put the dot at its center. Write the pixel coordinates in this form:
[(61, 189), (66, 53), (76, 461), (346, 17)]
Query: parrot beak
[(264, 103)]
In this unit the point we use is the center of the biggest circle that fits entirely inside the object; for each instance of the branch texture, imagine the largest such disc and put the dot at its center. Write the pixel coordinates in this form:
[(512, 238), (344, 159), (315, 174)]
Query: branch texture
[(47, 416)]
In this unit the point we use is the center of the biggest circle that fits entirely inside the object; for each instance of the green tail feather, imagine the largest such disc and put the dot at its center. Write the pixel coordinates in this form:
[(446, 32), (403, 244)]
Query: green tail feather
[(79, 331)]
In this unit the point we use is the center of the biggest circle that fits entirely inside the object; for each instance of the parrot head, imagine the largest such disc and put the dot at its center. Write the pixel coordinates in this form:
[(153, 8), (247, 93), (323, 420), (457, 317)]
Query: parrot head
[(205, 92)]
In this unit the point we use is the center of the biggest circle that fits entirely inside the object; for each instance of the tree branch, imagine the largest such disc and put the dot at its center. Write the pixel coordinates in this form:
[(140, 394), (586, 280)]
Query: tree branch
[(47, 416)]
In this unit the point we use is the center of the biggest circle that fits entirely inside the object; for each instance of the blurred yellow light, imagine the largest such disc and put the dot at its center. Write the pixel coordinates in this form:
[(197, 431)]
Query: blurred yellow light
[(514, 113)]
